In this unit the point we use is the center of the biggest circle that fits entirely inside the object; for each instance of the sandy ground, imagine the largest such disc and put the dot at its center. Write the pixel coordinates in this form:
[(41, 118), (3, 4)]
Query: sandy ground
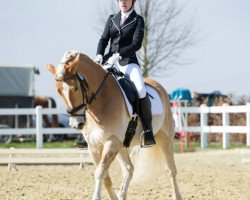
[(208, 175)]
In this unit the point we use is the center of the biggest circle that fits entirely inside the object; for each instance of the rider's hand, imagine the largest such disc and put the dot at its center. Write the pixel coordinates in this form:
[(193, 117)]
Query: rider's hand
[(98, 59), (114, 58), (108, 66)]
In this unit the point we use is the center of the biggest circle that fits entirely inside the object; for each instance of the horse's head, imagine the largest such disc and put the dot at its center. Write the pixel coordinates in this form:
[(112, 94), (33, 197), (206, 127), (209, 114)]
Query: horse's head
[(73, 88)]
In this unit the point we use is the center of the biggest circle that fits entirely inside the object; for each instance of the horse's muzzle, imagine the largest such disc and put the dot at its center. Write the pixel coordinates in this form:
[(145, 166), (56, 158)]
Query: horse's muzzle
[(77, 122), (80, 126)]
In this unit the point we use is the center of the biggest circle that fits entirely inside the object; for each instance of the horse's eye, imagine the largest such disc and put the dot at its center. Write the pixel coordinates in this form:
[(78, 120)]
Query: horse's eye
[(76, 88), (58, 90)]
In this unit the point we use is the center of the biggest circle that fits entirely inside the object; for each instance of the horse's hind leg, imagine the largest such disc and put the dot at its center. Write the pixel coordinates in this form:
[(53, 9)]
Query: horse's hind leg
[(127, 172), (110, 150), (166, 143)]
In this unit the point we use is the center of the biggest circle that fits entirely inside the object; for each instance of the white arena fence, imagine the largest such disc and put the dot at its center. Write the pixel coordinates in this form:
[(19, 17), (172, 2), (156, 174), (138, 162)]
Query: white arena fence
[(39, 130), (203, 129), (13, 156), (246, 154)]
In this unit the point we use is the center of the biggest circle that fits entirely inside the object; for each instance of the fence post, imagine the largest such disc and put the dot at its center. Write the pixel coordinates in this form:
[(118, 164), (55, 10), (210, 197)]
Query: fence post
[(248, 123), (203, 123), (39, 126), (225, 123)]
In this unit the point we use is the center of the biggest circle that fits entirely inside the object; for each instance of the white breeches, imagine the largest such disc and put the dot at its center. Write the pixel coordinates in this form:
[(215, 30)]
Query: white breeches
[(134, 73)]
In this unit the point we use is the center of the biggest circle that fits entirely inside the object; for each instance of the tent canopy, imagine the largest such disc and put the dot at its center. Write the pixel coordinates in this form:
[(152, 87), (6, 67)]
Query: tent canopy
[(181, 94), (17, 80)]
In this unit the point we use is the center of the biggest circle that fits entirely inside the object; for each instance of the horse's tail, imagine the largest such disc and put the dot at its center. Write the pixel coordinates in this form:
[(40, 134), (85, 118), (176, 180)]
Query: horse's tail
[(54, 120), (151, 162), (148, 165)]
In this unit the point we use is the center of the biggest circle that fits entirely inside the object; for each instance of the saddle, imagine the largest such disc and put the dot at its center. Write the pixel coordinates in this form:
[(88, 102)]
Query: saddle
[(130, 91), (131, 98)]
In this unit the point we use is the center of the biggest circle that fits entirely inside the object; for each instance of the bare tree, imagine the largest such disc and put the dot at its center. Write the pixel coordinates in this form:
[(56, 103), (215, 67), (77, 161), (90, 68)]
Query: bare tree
[(165, 37)]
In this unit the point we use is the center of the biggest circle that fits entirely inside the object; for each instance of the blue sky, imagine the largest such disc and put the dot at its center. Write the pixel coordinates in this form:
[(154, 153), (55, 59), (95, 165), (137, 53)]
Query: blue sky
[(221, 59), (33, 32)]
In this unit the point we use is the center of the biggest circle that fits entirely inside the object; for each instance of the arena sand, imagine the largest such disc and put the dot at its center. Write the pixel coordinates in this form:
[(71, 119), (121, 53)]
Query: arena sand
[(203, 175)]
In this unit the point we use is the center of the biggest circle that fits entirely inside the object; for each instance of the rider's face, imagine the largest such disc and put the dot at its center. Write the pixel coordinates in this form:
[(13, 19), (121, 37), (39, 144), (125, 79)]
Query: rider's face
[(125, 5)]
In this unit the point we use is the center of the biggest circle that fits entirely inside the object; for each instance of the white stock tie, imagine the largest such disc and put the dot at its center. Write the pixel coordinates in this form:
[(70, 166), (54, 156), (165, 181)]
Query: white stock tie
[(123, 19)]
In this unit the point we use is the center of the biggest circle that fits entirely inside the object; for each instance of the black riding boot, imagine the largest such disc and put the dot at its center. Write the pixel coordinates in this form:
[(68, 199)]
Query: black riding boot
[(81, 143), (146, 119)]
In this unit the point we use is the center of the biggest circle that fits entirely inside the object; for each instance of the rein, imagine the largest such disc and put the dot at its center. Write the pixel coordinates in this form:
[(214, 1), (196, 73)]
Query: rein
[(84, 87), (99, 88)]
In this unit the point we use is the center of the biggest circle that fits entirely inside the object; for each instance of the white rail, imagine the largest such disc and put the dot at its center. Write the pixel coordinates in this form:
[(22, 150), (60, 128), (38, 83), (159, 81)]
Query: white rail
[(245, 153), (39, 130), (12, 156), (203, 129)]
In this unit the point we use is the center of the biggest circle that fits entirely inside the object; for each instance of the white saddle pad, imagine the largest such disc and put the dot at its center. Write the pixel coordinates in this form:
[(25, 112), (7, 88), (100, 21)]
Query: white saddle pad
[(156, 104)]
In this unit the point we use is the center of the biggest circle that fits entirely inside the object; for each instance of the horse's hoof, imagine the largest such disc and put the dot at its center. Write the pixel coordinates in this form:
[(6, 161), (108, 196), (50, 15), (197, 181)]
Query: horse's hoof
[(178, 197), (96, 198), (122, 196)]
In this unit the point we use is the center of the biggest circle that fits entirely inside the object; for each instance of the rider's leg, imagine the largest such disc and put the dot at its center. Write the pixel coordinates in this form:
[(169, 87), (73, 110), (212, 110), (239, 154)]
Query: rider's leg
[(134, 73), (146, 118)]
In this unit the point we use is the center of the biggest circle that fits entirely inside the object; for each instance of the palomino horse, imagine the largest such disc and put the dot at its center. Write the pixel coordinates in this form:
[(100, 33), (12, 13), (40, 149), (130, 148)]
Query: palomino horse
[(96, 104)]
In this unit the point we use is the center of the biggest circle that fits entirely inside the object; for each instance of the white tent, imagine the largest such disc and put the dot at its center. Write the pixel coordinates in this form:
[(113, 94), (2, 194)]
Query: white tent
[(17, 80)]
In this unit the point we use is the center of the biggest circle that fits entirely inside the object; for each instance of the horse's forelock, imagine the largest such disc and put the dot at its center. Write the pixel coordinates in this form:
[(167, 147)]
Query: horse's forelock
[(60, 71), (68, 56)]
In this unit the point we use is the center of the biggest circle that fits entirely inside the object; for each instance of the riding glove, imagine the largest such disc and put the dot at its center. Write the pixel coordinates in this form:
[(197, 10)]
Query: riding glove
[(98, 59), (107, 66), (114, 58)]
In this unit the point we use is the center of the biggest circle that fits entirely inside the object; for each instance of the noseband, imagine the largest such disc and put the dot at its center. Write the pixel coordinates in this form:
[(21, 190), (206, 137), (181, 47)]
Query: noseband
[(84, 87)]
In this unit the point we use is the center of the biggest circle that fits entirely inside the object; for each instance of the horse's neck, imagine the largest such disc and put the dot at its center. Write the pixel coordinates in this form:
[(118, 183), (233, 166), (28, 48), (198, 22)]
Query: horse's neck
[(109, 96), (93, 74)]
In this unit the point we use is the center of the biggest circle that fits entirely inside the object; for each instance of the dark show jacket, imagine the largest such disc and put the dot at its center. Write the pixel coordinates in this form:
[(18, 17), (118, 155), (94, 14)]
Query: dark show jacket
[(125, 39)]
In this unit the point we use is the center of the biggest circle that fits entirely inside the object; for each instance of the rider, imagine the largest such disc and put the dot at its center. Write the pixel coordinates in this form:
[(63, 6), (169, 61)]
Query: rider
[(126, 30)]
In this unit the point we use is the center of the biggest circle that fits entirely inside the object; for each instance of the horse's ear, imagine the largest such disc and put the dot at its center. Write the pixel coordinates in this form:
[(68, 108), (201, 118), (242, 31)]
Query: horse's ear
[(51, 68), (73, 67)]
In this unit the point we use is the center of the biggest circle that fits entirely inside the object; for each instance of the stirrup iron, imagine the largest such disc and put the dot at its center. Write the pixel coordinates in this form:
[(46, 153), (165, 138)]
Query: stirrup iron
[(142, 140)]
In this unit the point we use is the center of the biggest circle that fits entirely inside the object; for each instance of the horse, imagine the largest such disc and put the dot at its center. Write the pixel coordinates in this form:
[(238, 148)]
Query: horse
[(96, 105)]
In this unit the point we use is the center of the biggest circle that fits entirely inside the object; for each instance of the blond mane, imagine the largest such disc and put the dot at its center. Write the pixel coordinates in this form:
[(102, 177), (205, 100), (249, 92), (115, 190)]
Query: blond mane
[(70, 56)]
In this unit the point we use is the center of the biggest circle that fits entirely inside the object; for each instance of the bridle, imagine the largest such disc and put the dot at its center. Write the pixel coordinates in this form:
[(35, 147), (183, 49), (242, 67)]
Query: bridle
[(85, 88)]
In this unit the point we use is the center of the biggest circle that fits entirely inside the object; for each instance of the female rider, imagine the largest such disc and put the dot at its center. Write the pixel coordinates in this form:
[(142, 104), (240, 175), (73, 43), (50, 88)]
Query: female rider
[(125, 30)]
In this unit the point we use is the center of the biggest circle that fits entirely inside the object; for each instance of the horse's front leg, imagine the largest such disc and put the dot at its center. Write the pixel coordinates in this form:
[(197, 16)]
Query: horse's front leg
[(111, 147), (109, 187), (127, 172), (96, 156)]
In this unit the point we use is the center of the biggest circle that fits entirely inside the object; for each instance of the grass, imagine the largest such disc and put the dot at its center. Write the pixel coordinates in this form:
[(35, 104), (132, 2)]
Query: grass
[(70, 144), (49, 145)]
